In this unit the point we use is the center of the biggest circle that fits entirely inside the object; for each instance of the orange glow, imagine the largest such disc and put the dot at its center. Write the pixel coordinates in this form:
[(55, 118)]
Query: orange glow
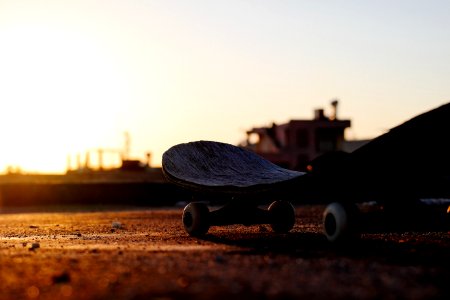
[(62, 97)]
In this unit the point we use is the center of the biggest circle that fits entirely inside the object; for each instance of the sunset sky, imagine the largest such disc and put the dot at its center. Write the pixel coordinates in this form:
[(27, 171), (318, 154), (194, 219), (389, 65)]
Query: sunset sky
[(76, 75)]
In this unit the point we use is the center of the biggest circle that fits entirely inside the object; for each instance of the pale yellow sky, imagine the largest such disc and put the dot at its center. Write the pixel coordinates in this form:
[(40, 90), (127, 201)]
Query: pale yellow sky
[(75, 75)]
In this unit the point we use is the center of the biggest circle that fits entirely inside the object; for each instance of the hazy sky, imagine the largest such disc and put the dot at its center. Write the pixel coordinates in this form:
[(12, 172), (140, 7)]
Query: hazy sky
[(75, 75)]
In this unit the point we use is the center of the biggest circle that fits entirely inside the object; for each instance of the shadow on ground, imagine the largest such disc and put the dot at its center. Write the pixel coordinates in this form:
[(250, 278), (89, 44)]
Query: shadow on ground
[(398, 249)]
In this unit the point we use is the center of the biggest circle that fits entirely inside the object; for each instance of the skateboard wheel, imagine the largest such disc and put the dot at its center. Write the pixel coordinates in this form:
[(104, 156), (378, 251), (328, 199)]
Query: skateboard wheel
[(196, 218), (283, 216), (338, 222)]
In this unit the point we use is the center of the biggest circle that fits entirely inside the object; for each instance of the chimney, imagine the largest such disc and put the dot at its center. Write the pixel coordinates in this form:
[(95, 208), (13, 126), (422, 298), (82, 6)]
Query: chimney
[(334, 106), (319, 114)]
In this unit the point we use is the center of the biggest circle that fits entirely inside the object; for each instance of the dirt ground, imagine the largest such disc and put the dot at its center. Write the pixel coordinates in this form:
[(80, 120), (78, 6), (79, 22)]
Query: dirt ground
[(145, 254)]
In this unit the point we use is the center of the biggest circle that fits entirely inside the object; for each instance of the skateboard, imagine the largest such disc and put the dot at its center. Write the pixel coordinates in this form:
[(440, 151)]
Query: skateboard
[(397, 169), (239, 178)]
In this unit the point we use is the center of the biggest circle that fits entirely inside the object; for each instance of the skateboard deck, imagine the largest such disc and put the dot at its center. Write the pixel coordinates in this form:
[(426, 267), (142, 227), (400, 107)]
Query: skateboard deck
[(223, 168)]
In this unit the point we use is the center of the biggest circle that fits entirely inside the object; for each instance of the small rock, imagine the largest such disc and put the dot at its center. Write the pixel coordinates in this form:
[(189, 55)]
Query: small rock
[(34, 226), (34, 246), (61, 278), (116, 225)]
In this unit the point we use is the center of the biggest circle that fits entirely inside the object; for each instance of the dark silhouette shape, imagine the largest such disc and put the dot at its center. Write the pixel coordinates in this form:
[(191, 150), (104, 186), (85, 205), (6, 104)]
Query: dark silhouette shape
[(410, 161), (396, 170)]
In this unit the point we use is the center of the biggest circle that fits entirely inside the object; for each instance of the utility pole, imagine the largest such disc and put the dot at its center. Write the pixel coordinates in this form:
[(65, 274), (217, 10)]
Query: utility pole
[(100, 159), (126, 150)]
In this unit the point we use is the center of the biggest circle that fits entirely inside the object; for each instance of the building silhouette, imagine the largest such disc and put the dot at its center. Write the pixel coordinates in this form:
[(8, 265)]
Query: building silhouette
[(294, 144)]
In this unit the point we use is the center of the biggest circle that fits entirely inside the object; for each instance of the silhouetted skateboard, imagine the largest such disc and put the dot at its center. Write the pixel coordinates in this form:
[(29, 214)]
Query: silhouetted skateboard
[(396, 170), (223, 171)]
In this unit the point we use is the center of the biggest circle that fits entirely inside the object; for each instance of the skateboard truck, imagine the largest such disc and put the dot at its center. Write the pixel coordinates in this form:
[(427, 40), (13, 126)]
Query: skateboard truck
[(197, 219)]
